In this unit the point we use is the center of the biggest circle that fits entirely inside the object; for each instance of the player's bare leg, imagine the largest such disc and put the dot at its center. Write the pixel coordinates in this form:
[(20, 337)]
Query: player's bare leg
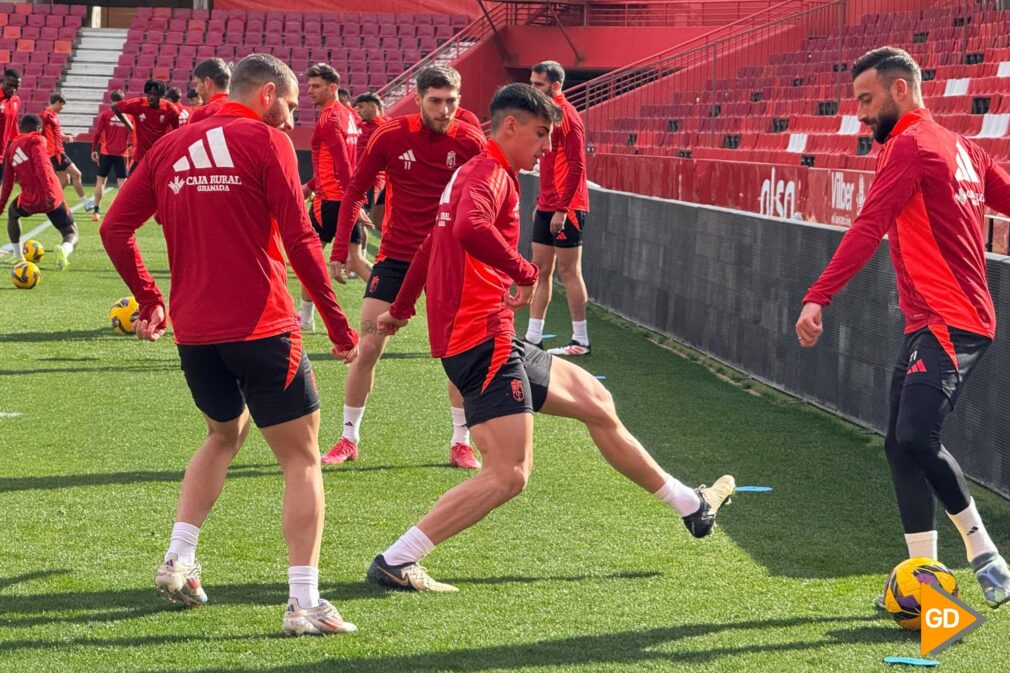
[(543, 258), (575, 393), (14, 231), (73, 174), (506, 445), (99, 193), (569, 262), (357, 262)]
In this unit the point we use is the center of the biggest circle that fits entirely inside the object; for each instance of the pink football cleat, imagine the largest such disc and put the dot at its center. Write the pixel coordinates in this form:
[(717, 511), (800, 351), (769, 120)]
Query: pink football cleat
[(342, 451)]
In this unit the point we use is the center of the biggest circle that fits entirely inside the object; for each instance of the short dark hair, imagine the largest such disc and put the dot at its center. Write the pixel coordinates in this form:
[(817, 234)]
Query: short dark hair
[(174, 94), (522, 98), (12, 72), (553, 70), (117, 96), (255, 70), (155, 86), (324, 71), (437, 77), (369, 98), (191, 93), (890, 63), (56, 97), (30, 122), (344, 93), (216, 69)]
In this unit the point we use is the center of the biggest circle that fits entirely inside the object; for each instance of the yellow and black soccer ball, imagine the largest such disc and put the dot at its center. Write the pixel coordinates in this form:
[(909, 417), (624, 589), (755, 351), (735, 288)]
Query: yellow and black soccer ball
[(33, 251), (904, 585), (25, 275), (123, 314)]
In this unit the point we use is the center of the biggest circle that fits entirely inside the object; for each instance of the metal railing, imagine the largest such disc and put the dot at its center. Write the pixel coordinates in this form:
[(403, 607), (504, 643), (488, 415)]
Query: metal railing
[(674, 12)]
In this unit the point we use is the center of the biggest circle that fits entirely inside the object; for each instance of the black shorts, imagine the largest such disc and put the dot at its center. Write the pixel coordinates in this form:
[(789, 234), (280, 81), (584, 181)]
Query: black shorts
[(111, 162), (938, 356), (500, 377), (569, 237), (386, 279), (323, 216), (59, 216), (61, 163), (380, 199), (273, 376)]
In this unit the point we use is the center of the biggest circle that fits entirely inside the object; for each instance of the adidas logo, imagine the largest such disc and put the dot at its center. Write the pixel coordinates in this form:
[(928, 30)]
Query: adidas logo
[(918, 367), (408, 159), (974, 529), (965, 171), (19, 157), (197, 157)]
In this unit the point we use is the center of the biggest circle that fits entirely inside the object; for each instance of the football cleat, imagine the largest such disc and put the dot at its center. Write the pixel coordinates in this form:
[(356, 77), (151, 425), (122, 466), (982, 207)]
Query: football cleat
[(88, 204), (317, 621), (712, 497), (61, 259), (405, 577), (462, 456), (573, 349), (307, 325), (180, 583), (342, 451), (994, 577)]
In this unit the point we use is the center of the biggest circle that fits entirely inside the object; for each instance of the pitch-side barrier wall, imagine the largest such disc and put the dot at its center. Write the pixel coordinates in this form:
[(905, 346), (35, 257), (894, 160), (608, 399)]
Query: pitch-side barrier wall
[(730, 283)]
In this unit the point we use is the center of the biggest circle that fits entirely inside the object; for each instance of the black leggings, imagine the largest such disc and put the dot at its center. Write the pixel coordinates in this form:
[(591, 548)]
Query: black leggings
[(918, 460), (60, 218)]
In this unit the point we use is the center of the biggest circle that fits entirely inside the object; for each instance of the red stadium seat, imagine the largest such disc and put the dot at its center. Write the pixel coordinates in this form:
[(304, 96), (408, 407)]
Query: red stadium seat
[(23, 8), (26, 45), (12, 32)]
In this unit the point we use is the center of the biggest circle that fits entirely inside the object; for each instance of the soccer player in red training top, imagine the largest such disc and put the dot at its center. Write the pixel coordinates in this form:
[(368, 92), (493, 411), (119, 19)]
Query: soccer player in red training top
[(466, 267), (66, 170), (10, 107), (464, 115), (230, 184), (174, 96), (560, 217), (369, 107), (211, 79), (334, 153), (26, 162), (111, 142), (418, 153), (153, 114), (929, 197)]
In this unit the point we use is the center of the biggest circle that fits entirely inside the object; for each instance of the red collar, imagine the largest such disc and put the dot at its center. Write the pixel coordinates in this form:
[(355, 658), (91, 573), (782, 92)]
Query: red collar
[(217, 97), (28, 133), (238, 110), (910, 119), (495, 151), (560, 99)]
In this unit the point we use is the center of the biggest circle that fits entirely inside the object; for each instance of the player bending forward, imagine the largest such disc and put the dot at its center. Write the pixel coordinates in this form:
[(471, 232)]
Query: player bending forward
[(466, 266)]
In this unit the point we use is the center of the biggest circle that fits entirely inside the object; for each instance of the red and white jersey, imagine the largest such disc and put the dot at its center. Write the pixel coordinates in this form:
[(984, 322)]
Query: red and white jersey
[(112, 136), (52, 131), (470, 260), (563, 185), (929, 196), (10, 115), (334, 151), (418, 163), (228, 198), (150, 123), (26, 162)]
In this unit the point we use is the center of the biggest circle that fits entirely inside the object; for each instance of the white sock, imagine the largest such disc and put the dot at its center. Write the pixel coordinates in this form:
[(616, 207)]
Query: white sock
[(921, 545), (678, 496), (303, 585), (973, 532), (460, 431), (352, 423), (183, 542), (535, 331), (67, 248), (306, 310), (580, 332), (410, 548)]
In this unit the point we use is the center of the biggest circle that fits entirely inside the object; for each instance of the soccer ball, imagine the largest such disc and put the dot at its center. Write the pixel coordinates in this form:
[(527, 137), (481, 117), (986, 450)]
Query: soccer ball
[(25, 275), (33, 251), (904, 584), (122, 314)]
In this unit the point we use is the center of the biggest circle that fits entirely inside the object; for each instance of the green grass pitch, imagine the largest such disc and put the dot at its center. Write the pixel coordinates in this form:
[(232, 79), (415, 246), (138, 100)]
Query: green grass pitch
[(582, 572)]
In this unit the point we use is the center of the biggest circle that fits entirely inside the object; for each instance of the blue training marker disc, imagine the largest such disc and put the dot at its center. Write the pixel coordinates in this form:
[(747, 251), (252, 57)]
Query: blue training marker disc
[(911, 661), (601, 377), (550, 336), (753, 489)]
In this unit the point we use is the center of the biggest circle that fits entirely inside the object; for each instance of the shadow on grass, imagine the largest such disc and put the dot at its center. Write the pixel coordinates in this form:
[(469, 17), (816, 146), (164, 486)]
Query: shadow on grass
[(112, 369), (57, 335), (28, 577), (60, 481), (319, 356), (88, 607)]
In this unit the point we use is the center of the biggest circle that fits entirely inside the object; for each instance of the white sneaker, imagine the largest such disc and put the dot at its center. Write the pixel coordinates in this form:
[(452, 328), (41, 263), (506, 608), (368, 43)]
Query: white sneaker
[(89, 204), (572, 349), (180, 583), (307, 325), (317, 621)]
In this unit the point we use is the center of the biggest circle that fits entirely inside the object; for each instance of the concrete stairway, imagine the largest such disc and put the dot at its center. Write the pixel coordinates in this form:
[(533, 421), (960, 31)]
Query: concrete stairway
[(88, 73)]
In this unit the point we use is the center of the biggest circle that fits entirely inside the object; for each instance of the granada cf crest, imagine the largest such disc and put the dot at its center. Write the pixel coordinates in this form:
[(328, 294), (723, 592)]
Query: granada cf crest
[(450, 160), (517, 390), (374, 284)]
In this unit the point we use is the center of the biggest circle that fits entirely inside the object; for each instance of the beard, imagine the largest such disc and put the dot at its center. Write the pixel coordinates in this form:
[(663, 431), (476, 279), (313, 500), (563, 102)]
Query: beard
[(435, 125), (886, 120), (277, 115)]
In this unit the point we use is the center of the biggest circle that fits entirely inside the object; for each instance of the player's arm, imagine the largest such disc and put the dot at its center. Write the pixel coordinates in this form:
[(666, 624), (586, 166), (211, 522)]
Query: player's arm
[(123, 108), (997, 188), (135, 204), (473, 226), (403, 307), (897, 180), (96, 143), (173, 118), (284, 201), (372, 162), (8, 182), (335, 138)]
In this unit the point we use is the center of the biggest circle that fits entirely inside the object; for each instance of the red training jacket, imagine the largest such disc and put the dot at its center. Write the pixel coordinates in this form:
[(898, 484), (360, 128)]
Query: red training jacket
[(26, 162), (112, 137), (563, 170)]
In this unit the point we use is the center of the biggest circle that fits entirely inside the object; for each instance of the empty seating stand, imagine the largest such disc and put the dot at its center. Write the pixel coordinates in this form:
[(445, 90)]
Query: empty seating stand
[(37, 40)]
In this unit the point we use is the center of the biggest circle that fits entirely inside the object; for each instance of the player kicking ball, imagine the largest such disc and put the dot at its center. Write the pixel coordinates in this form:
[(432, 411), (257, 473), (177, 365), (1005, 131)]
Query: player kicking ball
[(466, 267)]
